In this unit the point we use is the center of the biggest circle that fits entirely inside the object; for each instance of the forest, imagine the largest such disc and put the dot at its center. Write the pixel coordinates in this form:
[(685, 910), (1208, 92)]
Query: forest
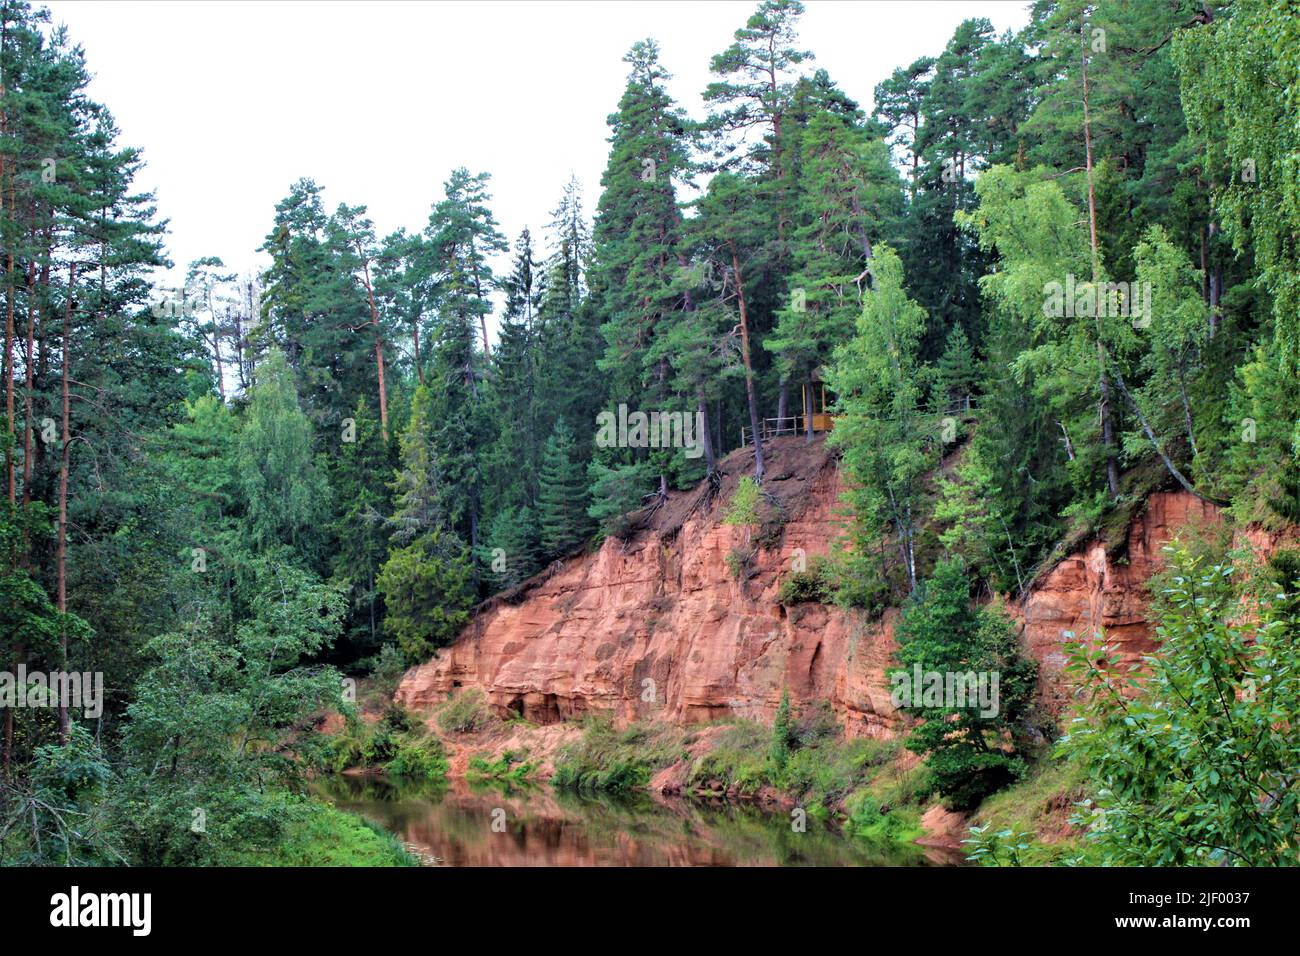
[(1045, 275)]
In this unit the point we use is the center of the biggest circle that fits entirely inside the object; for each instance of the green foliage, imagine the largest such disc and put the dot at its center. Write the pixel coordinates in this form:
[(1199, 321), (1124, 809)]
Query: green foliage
[(562, 499), (1007, 847), (743, 508), (512, 547), (1036, 811), (1239, 79), (286, 495), (616, 492), (816, 584), (426, 589), (224, 541), (213, 722), (737, 760), (1190, 759), (887, 444), (58, 815), (417, 758), (395, 744), (779, 752), (359, 482), (509, 767), (321, 835), (972, 747), (869, 820), (615, 761), (957, 371)]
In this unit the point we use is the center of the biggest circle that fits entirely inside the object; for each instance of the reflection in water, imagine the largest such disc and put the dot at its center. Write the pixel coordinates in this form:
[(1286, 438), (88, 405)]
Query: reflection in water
[(451, 825)]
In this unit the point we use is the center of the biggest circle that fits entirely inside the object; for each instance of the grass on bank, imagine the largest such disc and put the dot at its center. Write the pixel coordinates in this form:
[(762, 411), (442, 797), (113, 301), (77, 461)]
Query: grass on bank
[(510, 767), (318, 834), (859, 781), (397, 744), (617, 761), (1027, 824)]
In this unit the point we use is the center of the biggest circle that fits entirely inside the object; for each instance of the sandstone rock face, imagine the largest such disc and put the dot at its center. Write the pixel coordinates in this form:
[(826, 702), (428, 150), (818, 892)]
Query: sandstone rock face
[(658, 626), (1089, 592)]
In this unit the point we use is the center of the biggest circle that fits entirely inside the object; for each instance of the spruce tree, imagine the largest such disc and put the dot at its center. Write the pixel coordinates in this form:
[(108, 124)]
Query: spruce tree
[(562, 499), (957, 371), (965, 741), (514, 460), (460, 237), (512, 549), (358, 479)]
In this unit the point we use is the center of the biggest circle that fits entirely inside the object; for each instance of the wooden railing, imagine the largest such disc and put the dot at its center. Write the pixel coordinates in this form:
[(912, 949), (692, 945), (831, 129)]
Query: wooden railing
[(773, 428), (794, 424)]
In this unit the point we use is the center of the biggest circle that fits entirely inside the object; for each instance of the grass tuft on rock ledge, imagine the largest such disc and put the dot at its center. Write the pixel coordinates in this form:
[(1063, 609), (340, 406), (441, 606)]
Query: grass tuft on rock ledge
[(616, 761)]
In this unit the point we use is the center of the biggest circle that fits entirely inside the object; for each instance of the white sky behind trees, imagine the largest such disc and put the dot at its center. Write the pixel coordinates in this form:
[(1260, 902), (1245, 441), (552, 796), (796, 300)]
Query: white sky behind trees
[(232, 102)]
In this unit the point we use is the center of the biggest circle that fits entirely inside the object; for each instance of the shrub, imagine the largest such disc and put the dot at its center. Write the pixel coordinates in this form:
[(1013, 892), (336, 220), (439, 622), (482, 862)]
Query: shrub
[(814, 585), (740, 562), (1192, 761), (417, 758), (780, 747), (738, 760)]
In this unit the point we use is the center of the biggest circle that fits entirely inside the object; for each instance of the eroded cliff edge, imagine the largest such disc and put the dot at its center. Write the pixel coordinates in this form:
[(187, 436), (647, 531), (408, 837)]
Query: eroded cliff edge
[(657, 626)]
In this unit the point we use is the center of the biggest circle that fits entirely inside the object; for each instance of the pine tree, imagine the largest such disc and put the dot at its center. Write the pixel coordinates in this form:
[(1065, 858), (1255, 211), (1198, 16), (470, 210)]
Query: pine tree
[(848, 197), (314, 308), (753, 89), (898, 105), (353, 236), (727, 222), (757, 90)]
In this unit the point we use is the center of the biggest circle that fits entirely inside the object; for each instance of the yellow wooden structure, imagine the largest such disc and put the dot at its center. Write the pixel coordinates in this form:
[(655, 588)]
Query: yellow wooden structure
[(814, 402)]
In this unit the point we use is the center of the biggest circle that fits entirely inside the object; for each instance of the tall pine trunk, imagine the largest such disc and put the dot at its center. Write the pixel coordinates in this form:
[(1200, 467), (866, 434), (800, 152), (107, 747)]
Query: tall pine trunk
[(62, 567), (749, 368), (10, 467), (379, 352), (710, 459)]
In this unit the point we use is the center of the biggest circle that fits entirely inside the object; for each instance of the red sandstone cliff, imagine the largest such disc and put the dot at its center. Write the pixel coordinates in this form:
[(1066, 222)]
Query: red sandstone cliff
[(657, 626)]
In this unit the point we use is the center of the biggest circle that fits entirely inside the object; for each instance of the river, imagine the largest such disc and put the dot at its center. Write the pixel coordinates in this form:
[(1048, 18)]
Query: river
[(462, 824)]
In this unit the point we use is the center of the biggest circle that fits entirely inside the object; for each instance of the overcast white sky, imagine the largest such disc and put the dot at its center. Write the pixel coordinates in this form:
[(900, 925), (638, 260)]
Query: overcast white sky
[(233, 101)]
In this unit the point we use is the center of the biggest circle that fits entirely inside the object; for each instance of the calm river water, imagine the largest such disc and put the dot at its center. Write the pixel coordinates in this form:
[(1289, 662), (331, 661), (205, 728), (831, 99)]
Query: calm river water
[(452, 825)]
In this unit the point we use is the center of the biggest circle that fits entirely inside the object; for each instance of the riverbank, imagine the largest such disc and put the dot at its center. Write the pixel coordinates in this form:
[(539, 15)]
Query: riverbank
[(463, 823), (871, 789)]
